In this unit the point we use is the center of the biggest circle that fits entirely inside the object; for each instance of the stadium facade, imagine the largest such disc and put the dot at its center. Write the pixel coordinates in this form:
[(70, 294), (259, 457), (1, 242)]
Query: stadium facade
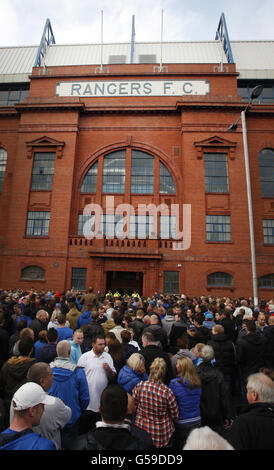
[(104, 147)]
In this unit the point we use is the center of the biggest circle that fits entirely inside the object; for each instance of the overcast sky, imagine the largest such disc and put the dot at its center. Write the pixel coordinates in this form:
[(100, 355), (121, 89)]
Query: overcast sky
[(79, 21)]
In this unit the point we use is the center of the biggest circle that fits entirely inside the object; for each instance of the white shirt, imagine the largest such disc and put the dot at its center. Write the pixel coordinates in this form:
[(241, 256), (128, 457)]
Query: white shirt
[(248, 311), (96, 376)]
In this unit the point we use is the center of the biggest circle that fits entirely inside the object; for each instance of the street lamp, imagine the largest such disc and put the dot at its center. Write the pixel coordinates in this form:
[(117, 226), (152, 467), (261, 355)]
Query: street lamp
[(254, 94)]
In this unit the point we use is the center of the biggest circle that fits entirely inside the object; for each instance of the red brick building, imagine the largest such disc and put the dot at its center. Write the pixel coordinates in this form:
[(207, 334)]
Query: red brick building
[(136, 129)]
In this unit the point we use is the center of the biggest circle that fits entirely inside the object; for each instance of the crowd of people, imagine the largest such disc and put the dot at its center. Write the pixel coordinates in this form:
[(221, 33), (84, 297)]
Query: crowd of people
[(109, 372)]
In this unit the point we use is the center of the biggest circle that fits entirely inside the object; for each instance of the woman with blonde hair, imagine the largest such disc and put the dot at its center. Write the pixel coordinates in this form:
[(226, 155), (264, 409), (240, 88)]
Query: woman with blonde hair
[(133, 372), (187, 390), (156, 406)]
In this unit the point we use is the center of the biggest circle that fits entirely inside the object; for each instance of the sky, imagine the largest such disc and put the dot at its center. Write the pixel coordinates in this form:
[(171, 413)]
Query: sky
[(79, 21)]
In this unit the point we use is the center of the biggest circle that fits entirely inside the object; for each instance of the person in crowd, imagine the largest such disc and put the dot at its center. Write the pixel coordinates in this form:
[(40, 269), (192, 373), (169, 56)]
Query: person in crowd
[(151, 350), (73, 313), (26, 332), (89, 301), (14, 371), (101, 315), (183, 351), (42, 340), (132, 373), (118, 328), (75, 343), (178, 331), (114, 431), (15, 337), (28, 406), (202, 334), (157, 407), (243, 305), (269, 337), (47, 353), (99, 370), (168, 321), (158, 331), (261, 323), (85, 317), (251, 354), (115, 350), (53, 323), (57, 414), (229, 325), (209, 321), (187, 390), (138, 326), (25, 314), (204, 438), (39, 323), (253, 429), (225, 359), (4, 340), (127, 348), (213, 399), (63, 331), (70, 385)]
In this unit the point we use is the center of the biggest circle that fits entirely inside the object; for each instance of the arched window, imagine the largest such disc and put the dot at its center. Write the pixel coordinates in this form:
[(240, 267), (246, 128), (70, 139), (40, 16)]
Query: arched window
[(114, 172), (33, 273), (3, 163), (219, 279), (142, 173), (266, 168), (90, 180), (167, 185), (266, 282)]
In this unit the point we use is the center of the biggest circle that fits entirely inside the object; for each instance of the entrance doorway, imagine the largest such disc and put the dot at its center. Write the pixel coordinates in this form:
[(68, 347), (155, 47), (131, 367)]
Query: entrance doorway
[(124, 282)]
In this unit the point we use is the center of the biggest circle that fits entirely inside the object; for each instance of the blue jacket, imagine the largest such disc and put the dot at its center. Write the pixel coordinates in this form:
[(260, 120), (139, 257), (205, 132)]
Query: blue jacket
[(84, 319), (76, 352), (29, 441), (70, 385), (128, 378), (64, 333), (188, 401)]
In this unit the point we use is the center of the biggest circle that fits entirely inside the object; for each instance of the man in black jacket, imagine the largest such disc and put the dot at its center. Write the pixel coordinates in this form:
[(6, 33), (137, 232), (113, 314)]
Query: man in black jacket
[(268, 333), (114, 432), (150, 351), (138, 326), (224, 354), (254, 428), (251, 352)]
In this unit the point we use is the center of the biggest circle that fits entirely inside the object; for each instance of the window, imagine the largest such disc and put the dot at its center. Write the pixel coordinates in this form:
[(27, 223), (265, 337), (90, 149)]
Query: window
[(117, 59), (142, 173), (266, 282), (167, 185), (114, 172), (3, 163), (37, 224), (33, 273), (171, 282), (147, 58), (266, 167), (113, 225), (82, 219), (78, 278), (42, 171), (219, 279), (216, 175), (218, 228), (11, 95), (90, 180), (167, 226), (141, 226), (268, 227)]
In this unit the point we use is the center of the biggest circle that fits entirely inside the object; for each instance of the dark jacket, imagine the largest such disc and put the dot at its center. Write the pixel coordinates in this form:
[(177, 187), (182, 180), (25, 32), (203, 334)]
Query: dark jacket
[(251, 352), (37, 326), (269, 336), (109, 438), (254, 428), (224, 353), (138, 327), (4, 346), (128, 350), (152, 351), (202, 335), (14, 374), (159, 334), (178, 330), (213, 398), (230, 328)]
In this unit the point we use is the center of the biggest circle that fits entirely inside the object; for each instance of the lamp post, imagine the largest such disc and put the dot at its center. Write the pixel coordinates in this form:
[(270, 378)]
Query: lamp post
[(254, 94)]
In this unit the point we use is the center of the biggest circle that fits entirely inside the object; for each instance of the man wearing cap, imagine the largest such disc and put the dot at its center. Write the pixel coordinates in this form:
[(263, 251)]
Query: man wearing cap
[(28, 406)]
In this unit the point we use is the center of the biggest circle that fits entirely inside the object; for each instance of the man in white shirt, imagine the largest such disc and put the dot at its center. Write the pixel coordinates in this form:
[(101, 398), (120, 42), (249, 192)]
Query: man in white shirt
[(99, 369)]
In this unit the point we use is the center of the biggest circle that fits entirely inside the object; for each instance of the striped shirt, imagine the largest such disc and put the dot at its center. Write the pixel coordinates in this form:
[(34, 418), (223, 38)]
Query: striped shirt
[(156, 411)]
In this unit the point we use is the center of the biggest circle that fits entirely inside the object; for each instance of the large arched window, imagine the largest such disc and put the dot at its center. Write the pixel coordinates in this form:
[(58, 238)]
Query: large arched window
[(33, 273), (219, 279), (266, 282), (266, 168), (90, 180), (142, 175), (3, 163)]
